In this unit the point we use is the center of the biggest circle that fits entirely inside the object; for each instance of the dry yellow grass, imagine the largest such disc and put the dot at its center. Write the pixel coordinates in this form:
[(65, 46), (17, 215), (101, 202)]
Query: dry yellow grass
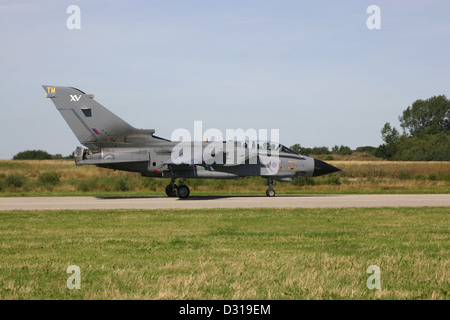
[(358, 176), (391, 168)]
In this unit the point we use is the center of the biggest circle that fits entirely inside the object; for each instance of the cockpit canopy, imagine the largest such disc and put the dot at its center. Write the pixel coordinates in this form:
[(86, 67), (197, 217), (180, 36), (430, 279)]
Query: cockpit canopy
[(264, 145)]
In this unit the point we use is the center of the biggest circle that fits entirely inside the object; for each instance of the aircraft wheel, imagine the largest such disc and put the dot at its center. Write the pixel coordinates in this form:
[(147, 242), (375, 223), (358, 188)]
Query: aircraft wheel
[(183, 191), (270, 193), (171, 191)]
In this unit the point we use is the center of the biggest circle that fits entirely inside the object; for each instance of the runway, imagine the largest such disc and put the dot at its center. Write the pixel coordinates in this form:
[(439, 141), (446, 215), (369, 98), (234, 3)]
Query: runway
[(209, 202)]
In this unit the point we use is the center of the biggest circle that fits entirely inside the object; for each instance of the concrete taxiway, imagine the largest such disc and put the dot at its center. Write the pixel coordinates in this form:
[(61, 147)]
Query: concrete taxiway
[(209, 202)]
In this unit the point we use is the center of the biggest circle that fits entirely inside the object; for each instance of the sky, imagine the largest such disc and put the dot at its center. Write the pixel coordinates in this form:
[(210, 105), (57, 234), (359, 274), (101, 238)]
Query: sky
[(311, 69)]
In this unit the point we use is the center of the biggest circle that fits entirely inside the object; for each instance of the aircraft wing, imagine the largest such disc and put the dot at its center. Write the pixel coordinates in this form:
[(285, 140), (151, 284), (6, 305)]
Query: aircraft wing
[(106, 161), (199, 158)]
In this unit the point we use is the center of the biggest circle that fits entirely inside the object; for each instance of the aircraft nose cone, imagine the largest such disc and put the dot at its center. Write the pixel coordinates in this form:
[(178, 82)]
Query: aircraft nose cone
[(321, 168)]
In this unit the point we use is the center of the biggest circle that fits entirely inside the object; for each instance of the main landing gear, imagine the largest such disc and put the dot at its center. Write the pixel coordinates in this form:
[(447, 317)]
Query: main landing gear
[(270, 192), (182, 191)]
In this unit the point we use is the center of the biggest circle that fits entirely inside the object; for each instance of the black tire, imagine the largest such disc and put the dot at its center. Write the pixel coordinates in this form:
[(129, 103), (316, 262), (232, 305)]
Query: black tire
[(270, 193), (183, 192), (170, 191)]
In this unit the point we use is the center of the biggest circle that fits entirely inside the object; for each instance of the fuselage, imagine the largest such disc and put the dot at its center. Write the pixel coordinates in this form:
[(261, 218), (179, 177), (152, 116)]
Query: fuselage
[(221, 160)]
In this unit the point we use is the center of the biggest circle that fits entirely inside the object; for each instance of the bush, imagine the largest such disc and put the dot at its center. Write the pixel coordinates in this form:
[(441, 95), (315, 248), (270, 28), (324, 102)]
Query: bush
[(48, 179), (320, 150), (122, 184), (404, 175), (32, 155), (420, 176), (342, 150), (83, 186), (443, 176), (333, 180), (367, 149), (304, 182), (15, 181)]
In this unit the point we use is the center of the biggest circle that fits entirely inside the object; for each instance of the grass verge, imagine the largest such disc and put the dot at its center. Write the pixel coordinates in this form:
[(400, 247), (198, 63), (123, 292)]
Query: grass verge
[(226, 254)]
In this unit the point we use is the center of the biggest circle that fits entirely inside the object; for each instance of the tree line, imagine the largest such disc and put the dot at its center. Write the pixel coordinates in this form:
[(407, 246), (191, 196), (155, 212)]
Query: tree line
[(38, 155), (425, 135)]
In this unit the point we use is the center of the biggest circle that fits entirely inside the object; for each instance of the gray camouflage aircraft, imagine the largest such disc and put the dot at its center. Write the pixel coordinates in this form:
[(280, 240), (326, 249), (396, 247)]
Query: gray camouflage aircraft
[(113, 143)]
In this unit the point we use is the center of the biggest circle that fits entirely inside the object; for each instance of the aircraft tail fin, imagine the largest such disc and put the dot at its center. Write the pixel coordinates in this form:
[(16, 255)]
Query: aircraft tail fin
[(93, 125)]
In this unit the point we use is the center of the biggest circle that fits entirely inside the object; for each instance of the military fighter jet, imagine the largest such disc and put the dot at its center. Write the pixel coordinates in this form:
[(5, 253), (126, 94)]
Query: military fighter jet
[(113, 143)]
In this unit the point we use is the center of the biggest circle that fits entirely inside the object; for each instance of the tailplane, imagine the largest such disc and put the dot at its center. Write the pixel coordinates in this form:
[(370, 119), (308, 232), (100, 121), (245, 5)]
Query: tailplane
[(95, 126)]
